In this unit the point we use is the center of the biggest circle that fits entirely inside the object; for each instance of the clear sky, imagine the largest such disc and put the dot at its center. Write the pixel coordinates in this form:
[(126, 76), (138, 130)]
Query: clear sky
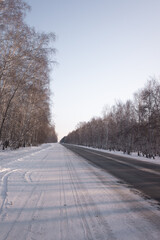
[(106, 51)]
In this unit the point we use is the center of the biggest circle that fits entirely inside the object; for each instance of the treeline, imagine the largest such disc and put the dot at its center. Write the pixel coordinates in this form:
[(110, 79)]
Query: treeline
[(133, 126), (25, 62)]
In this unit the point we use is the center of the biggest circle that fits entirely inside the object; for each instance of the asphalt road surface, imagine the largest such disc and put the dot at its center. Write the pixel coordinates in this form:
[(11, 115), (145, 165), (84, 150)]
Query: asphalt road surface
[(139, 175)]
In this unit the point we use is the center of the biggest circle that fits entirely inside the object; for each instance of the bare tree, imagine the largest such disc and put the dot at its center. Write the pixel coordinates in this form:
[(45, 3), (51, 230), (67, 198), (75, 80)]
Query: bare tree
[(130, 126), (25, 59)]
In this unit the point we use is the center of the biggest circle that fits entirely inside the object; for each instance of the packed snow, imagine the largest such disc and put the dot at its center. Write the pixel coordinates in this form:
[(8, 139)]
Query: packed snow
[(50, 193)]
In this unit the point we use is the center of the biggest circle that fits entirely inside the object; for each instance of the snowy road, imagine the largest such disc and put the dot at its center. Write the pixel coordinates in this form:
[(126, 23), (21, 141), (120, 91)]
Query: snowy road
[(141, 175), (49, 193)]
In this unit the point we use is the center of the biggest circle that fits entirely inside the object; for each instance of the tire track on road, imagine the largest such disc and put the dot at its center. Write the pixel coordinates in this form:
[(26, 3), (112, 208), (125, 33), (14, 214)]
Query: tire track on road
[(64, 225), (97, 224), (33, 185), (4, 188)]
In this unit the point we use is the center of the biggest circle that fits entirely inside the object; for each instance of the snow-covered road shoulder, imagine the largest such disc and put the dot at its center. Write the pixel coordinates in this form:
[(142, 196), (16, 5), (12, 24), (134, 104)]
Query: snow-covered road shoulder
[(133, 155)]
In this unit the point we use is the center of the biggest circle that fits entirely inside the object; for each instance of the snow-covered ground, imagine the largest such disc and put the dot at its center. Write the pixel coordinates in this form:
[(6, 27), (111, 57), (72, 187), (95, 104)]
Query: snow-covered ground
[(49, 193)]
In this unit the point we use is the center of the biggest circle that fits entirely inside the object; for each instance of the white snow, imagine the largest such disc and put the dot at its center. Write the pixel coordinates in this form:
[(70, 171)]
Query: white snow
[(50, 193)]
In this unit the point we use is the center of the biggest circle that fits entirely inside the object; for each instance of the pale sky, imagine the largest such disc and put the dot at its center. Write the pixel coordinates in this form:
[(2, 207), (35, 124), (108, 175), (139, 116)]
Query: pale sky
[(106, 51)]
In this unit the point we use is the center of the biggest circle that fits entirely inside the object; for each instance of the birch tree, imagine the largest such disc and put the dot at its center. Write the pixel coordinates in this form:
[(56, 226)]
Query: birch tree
[(25, 60)]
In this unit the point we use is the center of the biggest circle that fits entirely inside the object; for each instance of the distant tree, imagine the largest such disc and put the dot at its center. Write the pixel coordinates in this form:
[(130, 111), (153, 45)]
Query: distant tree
[(130, 126)]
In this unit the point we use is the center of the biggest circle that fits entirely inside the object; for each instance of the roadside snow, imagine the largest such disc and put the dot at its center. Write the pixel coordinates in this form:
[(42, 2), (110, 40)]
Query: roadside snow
[(133, 155), (50, 193)]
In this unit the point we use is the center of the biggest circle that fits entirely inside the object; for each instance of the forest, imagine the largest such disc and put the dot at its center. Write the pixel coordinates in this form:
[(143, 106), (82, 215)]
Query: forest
[(25, 65), (133, 126)]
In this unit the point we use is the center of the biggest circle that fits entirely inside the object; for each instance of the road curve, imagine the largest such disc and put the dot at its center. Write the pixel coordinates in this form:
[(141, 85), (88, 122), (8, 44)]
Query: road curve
[(137, 174)]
